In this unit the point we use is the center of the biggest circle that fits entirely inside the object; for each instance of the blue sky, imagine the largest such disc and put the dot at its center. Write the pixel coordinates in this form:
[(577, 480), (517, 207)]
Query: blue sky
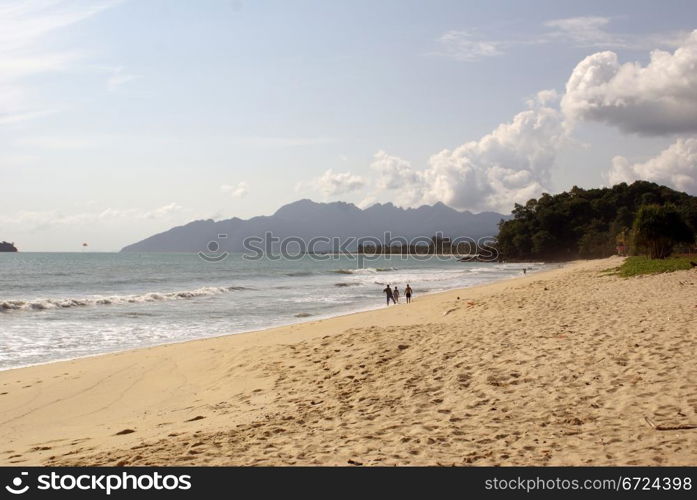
[(119, 119)]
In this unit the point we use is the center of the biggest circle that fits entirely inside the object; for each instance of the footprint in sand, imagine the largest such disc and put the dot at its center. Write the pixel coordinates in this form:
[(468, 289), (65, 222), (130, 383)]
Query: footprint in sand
[(197, 417), (40, 448)]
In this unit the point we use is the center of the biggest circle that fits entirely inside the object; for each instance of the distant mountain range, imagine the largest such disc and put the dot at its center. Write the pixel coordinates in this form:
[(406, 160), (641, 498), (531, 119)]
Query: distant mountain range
[(306, 219)]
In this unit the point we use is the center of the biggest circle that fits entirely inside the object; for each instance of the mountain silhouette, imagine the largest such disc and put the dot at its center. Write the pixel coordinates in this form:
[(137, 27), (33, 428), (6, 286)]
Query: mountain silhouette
[(306, 219)]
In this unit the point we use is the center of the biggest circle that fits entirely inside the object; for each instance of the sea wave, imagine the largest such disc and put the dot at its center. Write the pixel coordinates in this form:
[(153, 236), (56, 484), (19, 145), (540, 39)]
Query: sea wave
[(365, 270), (97, 300)]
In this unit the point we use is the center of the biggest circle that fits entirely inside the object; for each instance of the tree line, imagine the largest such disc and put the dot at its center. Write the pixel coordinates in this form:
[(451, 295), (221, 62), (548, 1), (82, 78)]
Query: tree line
[(437, 245), (640, 218)]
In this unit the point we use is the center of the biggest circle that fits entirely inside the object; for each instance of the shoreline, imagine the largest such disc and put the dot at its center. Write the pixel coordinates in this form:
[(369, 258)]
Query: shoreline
[(301, 321), (566, 375)]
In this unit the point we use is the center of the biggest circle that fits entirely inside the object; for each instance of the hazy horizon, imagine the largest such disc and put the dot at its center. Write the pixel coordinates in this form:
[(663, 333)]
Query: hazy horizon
[(122, 119)]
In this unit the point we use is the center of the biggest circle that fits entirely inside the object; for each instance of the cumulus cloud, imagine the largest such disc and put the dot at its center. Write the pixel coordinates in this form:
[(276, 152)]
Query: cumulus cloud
[(332, 184), (545, 97), (675, 166), (510, 164), (396, 174), (514, 162), (656, 99), (239, 190)]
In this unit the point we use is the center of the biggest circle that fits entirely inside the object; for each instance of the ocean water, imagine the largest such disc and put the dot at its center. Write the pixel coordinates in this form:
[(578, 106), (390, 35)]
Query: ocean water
[(57, 306)]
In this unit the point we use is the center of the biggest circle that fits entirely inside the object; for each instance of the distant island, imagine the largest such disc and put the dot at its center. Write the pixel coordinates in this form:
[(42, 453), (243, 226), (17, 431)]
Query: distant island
[(7, 247), (306, 219)]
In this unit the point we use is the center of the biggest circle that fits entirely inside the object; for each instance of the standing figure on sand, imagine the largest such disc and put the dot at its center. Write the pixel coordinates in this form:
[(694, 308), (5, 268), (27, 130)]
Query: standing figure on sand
[(388, 292), (393, 295)]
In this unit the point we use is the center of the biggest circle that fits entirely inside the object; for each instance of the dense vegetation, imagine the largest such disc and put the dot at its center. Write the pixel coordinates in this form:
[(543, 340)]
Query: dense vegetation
[(634, 266), (463, 247), (593, 223), (658, 228), (7, 247)]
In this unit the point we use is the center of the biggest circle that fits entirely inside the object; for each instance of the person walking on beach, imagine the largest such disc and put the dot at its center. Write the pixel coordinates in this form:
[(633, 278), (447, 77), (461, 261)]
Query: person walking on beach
[(407, 293), (395, 295), (388, 292)]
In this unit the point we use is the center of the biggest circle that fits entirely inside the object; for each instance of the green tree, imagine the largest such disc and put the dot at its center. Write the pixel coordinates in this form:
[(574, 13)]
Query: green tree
[(542, 243), (584, 222), (658, 228)]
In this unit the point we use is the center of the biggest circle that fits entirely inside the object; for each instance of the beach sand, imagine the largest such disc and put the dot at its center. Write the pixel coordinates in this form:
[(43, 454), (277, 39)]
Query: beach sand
[(565, 367)]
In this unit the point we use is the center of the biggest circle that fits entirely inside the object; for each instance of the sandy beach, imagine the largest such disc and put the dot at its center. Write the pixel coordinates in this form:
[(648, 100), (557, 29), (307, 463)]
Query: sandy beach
[(565, 367)]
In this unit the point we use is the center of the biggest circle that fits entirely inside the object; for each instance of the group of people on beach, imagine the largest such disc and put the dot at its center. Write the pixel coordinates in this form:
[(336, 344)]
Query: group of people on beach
[(393, 294)]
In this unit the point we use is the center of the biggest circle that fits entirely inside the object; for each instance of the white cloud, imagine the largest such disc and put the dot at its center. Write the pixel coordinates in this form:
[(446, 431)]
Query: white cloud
[(396, 174), (366, 202), (583, 31), (333, 184), (162, 212), (393, 171), (118, 77), (590, 31), (463, 46), (34, 220), (24, 26), (510, 164), (25, 21), (239, 190), (659, 98), (586, 31), (514, 162), (544, 98), (14, 66), (675, 166)]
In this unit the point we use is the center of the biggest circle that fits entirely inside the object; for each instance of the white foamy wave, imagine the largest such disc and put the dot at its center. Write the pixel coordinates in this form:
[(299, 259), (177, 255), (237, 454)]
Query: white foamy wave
[(97, 300), (480, 270), (407, 277), (366, 270)]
